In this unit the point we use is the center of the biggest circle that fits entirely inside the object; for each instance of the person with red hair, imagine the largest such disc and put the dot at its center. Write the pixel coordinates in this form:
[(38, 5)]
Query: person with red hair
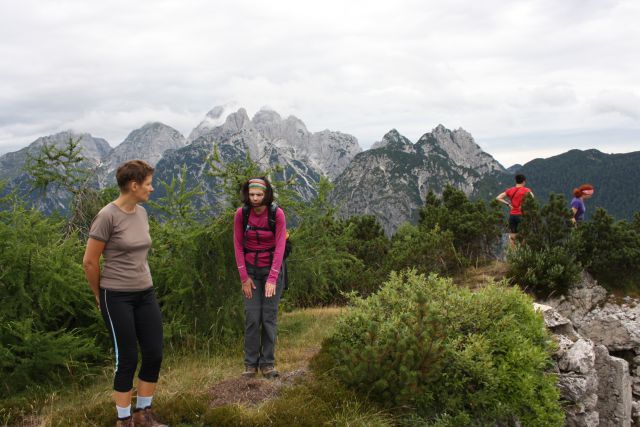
[(580, 194)]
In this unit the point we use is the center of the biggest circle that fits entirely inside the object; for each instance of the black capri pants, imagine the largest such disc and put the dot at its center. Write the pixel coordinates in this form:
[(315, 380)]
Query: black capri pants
[(133, 318)]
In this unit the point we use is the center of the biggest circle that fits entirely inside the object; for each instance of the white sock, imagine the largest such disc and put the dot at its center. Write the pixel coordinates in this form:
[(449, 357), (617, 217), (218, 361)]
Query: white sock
[(123, 412), (143, 402)]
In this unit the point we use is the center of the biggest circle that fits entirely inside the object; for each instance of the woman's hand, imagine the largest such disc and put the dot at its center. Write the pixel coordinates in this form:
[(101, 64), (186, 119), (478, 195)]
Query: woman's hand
[(247, 287), (269, 289)]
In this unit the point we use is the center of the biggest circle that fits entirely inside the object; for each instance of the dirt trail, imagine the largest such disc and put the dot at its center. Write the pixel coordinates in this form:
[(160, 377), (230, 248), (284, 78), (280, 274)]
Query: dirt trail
[(252, 391)]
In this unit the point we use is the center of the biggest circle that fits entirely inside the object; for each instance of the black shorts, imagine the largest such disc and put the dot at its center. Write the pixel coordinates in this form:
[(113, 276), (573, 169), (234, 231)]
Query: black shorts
[(514, 220)]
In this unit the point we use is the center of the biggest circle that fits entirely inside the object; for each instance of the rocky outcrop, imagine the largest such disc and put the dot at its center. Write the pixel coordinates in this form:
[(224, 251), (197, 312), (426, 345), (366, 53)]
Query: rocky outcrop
[(614, 326), (581, 298), (614, 389), (611, 325), (575, 366)]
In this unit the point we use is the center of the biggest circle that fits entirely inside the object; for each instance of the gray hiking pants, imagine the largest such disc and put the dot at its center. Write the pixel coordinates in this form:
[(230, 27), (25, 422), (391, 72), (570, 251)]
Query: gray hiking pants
[(261, 320)]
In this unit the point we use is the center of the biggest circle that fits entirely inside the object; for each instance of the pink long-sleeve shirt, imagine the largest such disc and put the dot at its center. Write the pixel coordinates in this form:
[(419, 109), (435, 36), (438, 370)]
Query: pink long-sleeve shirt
[(259, 240)]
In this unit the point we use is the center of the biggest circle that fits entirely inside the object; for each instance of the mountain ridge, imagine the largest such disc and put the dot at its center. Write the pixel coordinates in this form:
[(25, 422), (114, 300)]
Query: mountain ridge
[(390, 180)]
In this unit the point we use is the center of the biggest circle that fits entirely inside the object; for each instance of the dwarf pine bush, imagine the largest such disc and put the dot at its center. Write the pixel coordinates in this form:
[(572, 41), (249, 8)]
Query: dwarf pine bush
[(544, 262), (447, 354), (610, 250), (544, 272)]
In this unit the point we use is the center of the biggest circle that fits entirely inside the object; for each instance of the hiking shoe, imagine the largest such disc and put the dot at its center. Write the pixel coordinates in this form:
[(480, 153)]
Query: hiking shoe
[(250, 371), (146, 418), (125, 422), (269, 372)]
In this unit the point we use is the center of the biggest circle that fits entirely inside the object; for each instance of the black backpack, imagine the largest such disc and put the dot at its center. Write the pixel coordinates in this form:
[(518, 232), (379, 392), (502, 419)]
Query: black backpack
[(288, 247)]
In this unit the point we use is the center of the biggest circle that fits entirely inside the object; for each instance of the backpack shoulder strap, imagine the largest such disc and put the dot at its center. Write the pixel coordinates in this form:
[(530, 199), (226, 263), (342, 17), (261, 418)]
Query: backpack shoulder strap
[(272, 216), (246, 210)]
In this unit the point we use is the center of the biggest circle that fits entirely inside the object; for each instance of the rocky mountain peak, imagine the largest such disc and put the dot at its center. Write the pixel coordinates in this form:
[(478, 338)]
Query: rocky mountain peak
[(12, 167), (294, 124), (268, 123), (266, 116), (147, 143), (460, 147), (93, 149), (214, 118), (394, 140), (267, 137), (403, 173), (441, 129), (215, 113), (237, 121)]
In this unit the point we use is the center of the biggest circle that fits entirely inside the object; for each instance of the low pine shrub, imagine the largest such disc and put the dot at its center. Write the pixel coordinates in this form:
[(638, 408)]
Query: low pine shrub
[(446, 354), (426, 250), (544, 272), (610, 250), (545, 260)]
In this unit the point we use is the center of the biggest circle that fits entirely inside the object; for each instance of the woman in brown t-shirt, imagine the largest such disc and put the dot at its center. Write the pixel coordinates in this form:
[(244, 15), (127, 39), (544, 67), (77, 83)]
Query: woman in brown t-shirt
[(124, 291)]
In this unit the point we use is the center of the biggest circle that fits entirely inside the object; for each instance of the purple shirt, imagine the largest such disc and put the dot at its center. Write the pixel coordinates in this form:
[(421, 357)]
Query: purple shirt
[(578, 205)]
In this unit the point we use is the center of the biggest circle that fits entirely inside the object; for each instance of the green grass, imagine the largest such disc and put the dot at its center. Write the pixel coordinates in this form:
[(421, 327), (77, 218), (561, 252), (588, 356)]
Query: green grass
[(183, 397)]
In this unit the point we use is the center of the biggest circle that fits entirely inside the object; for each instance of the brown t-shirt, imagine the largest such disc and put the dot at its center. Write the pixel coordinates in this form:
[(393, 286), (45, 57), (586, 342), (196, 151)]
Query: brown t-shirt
[(125, 254)]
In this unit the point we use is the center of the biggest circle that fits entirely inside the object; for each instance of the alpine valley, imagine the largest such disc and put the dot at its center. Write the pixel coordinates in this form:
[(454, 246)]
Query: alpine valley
[(389, 181)]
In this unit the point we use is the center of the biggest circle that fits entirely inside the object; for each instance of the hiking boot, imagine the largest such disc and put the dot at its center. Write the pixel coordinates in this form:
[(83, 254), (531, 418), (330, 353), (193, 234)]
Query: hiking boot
[(250, 371), (269, 372), (125, 422), (146, 418)]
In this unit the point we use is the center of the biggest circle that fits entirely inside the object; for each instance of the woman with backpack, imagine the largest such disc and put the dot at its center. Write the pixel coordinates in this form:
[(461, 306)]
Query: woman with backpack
[(259, 242)]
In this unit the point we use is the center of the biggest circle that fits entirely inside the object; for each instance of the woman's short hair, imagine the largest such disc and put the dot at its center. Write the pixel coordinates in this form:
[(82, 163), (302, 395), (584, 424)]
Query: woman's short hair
[(268, 194), (133, 170)]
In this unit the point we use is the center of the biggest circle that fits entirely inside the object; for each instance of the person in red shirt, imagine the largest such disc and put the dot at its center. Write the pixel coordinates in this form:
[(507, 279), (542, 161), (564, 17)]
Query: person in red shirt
[(259, 253), (516, 197)]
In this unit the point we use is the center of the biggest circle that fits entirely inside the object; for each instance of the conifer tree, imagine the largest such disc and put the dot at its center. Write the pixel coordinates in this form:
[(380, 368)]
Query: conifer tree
[(63, 168), (544, 260)]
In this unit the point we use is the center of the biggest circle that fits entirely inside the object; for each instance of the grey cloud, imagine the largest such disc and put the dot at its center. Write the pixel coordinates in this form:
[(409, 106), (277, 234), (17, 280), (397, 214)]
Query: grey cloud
[(358, 67), (617, 101)]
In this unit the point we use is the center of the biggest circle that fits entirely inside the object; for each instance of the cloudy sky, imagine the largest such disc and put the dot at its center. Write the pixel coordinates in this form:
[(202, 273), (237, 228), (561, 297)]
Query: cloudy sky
[(526, 78)]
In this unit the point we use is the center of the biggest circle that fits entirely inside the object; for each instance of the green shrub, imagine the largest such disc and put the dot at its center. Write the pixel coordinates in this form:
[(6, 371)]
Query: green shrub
[(476, 227), (366, 240), (426, 250), (545, 226), (545, 259), (544, 272), (195, 276), (49, 325), (452, 356), (322, 266), (36, 356), (610, 250)]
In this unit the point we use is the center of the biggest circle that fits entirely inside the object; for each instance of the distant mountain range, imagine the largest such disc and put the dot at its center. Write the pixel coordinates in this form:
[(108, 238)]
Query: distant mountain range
[(614, 177), (390, 180)]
